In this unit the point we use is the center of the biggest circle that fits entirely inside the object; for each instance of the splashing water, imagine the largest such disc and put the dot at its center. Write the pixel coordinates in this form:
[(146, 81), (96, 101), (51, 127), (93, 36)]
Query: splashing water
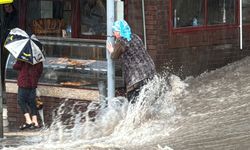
[(119, 123), (211, 111)]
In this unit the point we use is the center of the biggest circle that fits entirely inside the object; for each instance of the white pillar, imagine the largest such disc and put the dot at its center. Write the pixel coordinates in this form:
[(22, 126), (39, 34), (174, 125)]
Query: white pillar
[(241, 38), (110, 63)]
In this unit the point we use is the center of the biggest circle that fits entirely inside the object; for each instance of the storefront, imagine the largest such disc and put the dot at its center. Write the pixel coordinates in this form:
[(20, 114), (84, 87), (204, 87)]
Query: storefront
[(183, 37), (73, 33), (188, 38)]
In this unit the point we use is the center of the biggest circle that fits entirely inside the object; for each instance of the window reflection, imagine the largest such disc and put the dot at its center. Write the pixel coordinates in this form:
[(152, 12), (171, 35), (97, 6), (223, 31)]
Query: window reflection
[(245, 11), (48, 17), (191, 13), (93, 17), (221, 11), (188, 13)]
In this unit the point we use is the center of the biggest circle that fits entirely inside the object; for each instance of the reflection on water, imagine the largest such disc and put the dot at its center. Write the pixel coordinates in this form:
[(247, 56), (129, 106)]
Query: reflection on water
[(211, 111)]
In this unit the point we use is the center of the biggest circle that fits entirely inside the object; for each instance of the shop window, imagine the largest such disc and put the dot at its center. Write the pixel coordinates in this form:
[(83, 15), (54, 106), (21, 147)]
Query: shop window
[(49, 18), (93, 17), (198, 13), (75, 61), (188, 13), (53, 17), (221, 11), (245, 11)]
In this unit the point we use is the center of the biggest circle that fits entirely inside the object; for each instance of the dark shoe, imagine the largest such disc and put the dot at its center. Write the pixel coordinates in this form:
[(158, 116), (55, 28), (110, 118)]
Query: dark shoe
[(25, 126), (34, 127)]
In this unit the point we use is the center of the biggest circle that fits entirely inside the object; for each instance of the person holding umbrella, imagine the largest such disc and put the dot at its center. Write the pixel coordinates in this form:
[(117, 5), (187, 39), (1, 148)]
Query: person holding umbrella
[(138, 65), (29, 54), (27, 80)]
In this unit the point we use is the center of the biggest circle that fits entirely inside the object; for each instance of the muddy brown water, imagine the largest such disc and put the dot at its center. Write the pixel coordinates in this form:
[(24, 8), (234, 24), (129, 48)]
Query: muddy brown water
[(209, 112)]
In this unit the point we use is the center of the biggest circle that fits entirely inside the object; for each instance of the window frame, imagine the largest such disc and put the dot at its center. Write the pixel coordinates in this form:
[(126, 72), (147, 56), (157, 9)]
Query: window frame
[(75, 18), (78, 23), (206, 26)]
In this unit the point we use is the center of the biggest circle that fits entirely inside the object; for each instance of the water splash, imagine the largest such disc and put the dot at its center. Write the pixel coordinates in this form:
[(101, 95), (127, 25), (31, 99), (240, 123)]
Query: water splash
[(119, 123), (211, 111)]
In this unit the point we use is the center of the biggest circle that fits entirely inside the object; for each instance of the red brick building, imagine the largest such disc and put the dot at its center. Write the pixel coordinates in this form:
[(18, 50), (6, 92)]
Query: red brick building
[(191, 50), (184, 37)]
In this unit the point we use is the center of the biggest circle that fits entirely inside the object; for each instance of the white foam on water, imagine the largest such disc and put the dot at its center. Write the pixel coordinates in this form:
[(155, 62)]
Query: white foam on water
[(169, 113), (120, 123)]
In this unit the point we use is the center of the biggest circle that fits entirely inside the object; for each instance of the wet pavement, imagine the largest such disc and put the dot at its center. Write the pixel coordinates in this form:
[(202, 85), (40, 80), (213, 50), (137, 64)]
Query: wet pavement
[(17, 138)]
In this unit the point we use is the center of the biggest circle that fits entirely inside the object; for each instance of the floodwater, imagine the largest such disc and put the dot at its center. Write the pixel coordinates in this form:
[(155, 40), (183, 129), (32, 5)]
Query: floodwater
[(210, 112)]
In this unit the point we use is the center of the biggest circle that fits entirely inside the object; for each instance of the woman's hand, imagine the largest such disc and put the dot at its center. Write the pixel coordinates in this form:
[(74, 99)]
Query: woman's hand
[(110, 47)]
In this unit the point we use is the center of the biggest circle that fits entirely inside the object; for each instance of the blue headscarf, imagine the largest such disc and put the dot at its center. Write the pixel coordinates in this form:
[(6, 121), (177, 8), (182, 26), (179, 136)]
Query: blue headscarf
[(124, 29)]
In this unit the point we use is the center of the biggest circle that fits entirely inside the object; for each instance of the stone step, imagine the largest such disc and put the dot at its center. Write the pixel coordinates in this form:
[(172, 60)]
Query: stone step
[(5, 117)]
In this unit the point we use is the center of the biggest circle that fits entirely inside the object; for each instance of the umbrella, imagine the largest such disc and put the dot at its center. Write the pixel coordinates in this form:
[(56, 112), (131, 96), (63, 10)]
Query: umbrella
[(6, 1), (24, 47)]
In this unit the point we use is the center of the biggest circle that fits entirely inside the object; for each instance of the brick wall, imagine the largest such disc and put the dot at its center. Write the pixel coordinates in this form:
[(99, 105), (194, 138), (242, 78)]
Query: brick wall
[(134, 16), (51, 104), (194, 52), (156, 25), (50, 108)]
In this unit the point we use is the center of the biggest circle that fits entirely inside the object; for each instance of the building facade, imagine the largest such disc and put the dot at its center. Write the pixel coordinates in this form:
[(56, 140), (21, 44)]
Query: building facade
[(186, 48), (183, 37)]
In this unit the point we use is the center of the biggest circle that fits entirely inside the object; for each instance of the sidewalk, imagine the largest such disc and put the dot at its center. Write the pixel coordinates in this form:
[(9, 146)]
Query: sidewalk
[(14, 138), (6, 123), (21, 133)]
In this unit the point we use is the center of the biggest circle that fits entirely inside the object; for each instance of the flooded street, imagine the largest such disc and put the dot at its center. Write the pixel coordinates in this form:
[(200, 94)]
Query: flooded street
[(216, 111), (210, 112)]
